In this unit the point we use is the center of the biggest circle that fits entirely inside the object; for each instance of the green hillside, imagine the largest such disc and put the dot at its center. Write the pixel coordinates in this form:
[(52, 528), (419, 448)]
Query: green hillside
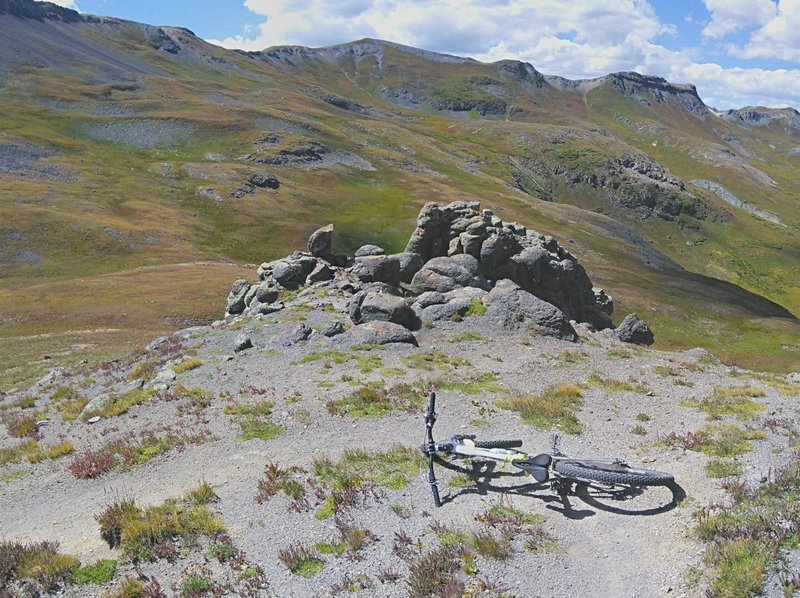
[(121, 144)]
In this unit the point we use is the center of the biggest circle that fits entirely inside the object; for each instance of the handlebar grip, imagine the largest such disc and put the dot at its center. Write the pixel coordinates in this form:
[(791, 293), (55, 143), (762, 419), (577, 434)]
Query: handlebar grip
[(431, 402)]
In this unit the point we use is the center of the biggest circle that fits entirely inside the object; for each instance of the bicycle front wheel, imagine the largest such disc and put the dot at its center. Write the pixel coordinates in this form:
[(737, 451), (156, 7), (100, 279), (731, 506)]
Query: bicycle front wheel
[(613, 474)]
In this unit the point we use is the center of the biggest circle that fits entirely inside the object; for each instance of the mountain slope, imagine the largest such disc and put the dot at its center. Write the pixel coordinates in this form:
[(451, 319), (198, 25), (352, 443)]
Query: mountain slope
[(126, 150)]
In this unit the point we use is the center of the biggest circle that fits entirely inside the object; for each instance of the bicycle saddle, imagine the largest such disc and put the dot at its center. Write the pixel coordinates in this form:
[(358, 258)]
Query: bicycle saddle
[(536, 467)]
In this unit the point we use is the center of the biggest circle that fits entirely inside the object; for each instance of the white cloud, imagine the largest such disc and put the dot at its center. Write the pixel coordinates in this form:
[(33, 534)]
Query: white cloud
[(576, 39), (66, 3), (730, 16), (779, 37)]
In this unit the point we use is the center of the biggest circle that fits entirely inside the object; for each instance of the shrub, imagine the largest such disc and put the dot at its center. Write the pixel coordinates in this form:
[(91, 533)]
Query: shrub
[(147, 534), (121, 404), (91, 463), (40, 563)]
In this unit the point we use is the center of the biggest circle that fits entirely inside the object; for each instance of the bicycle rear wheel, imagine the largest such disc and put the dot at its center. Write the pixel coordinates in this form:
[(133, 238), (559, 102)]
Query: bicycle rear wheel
[(613, 474), (490, 444)]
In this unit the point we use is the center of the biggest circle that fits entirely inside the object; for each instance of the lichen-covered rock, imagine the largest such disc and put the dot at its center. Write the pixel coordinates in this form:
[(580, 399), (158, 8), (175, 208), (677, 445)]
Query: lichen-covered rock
[(514, 307), (634, 330)]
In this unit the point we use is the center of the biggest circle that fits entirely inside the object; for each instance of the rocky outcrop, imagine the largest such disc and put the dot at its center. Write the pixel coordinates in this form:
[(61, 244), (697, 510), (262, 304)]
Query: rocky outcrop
[(458, 261), (538, 264)]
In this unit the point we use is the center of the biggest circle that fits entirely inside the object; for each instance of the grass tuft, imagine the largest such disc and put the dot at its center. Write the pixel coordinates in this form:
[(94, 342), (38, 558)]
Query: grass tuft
[(556, 406)]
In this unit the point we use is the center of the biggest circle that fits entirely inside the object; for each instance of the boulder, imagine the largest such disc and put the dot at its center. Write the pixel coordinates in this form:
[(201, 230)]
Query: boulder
[(354, 305), (442, 274), (235, 303), (291, 272), (264, 181), (514, 307), (242, 342), (366, 250), (381, 333), (298, 333), (387, 308), (320, 273), (408, 264), (634, 330), (320, 243), (602, 301), (333, 329), (496, 249), (377, 268), (429, 298)]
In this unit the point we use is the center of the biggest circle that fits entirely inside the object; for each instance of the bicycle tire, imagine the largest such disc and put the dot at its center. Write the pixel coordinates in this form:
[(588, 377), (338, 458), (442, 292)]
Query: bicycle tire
[(490, 444), (628, 476)]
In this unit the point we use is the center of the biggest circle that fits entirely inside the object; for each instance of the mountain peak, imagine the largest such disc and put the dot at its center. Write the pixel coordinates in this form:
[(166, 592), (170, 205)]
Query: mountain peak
[(39, 11)]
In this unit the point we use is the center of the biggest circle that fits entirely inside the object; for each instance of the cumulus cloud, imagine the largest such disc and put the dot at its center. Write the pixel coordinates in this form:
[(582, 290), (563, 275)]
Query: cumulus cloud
[(730, 16), (66, 3), (779, 37), (576, 39)]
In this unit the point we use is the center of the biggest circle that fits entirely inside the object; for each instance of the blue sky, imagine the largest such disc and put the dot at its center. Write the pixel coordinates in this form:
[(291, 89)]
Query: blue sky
[(737, 52)]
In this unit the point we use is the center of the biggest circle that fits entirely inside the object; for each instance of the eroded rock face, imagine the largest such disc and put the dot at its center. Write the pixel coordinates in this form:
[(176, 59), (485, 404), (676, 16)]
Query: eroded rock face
[(634, 330)]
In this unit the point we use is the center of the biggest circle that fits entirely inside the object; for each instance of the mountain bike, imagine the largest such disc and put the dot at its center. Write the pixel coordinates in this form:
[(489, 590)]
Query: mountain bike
[(608, 472)]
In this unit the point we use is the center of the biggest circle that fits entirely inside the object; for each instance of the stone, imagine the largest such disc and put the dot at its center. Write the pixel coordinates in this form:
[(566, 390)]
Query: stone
[(516, 308), (354, 305), (291, 272), (266, 292), (264, 181), (366, 250), (602, 301), (377, 268), (235, 303), (634, 330), (496, 249), (320, 243), (381, 333), (333, 329), (242, 342), (387, 308), (408, 264), (96, 404), (320, 273), (442, 274), (299, 333), (429, 298)]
